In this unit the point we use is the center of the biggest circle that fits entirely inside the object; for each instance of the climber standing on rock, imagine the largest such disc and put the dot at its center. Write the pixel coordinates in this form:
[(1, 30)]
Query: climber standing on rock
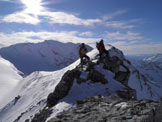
[(101, 48), (82, 52)]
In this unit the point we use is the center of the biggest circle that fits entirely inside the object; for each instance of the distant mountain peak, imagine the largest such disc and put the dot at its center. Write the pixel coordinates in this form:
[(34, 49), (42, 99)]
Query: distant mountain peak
[(155, 58), (49, 55)]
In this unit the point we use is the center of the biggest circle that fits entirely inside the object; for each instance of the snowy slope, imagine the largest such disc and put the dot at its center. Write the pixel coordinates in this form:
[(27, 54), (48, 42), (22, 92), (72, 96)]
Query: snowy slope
[(9, 78), (32, 89), (156, 59), (146, 59), (49, 55), (150, 67), (35, 88)]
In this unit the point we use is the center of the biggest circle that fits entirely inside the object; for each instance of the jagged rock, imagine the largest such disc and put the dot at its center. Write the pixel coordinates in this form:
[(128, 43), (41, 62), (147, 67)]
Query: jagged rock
[(81, 80), (63, 88), (42, 115), (96, 76), (90, 66), (123, 77), (158, 113), (112, 109), (112, 63), (127, 94), (27, 120)]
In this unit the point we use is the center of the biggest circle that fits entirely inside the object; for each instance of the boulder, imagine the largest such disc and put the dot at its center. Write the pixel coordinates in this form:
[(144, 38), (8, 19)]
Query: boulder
[(112, 63), (127, 93), (123, 77), (63, 88), (96, 76)]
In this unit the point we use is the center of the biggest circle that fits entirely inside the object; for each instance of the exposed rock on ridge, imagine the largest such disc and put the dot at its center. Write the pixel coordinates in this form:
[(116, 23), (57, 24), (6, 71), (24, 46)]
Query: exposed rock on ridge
[(118, 65), (112, 109), (63, 87), (110, 63)]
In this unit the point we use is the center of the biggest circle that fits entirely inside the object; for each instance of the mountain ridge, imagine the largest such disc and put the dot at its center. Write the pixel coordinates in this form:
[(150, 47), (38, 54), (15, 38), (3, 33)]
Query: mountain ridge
[(35, 88), (49, 55)]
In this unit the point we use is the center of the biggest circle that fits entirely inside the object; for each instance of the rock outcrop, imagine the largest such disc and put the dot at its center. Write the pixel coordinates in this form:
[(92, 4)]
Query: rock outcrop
[(114, 64), (41, 116), (122, 106), (109, 63), (63, 87), (114, 108)]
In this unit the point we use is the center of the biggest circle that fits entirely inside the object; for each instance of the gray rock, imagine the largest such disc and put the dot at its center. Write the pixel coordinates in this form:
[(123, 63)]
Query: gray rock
[(127, 94), (123, 77), (42, 115), (96, 76), (112, 109), (113, 64), (63, 88)]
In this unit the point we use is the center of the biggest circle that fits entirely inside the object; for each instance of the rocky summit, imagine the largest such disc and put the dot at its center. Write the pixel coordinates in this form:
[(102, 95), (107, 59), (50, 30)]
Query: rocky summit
[(118, 106), (112, 109), (94, 76)]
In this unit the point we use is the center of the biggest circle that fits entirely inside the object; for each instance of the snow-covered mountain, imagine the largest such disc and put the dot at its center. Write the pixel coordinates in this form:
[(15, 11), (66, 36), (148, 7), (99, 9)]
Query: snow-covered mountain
[(9, 78), (60, 89), (49, 55), (148, 58), (157, 59), (149, 66)]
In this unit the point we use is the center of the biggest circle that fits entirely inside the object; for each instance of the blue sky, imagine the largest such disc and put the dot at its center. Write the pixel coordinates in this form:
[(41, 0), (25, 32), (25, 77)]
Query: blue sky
[(134, 26)]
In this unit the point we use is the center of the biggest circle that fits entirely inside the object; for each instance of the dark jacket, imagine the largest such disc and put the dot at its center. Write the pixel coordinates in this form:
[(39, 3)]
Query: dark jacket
[(100, 46)]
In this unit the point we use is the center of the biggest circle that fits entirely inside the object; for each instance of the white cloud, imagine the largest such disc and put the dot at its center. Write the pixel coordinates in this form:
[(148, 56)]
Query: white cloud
[(119, 24), (53, 17), (124, 36), (10, 1), (23, 37), (129, 24), (21, 17), (138, 47), (65, 18), (88, 34), (139, 20), (112, 15), (32, 15)]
